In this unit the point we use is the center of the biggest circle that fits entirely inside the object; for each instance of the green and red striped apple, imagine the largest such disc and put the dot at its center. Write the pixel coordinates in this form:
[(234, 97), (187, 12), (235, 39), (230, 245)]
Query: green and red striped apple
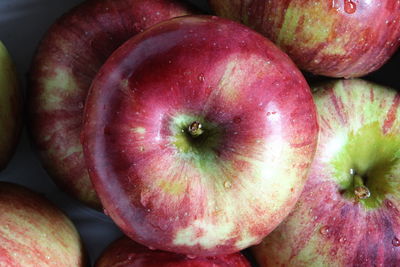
[(337, 38), (349, 211), (194, 136), (33, 232)]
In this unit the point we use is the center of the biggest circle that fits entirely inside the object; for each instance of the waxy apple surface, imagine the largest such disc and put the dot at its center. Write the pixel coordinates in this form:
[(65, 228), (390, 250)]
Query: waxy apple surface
[(339, 38), (194, 136), (67, 60), (33, 232), (124, 252), (348, 213), (10, 107)]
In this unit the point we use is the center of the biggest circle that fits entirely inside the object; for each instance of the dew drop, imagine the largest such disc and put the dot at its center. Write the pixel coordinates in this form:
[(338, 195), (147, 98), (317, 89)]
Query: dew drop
[(227, 184), (396, 242), (151, 248), (389, 204), (201, 77), (191, 257), (324, 230), (349, 6), (106, 212), (342, 239)]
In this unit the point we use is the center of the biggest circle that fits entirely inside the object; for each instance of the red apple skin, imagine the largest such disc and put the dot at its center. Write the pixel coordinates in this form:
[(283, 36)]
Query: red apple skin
[(125, 252), (66, 61), (346, 38), (325, 228), (10, 107), (33, 232), (156, 186)]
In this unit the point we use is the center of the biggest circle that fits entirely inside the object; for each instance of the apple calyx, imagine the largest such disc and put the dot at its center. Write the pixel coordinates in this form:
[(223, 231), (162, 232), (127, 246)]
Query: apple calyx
[(360, 190), (195, 129)]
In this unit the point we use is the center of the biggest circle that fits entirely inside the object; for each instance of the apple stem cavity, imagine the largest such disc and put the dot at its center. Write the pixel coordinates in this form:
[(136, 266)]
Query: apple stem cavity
[(360, 190), (195, 129)]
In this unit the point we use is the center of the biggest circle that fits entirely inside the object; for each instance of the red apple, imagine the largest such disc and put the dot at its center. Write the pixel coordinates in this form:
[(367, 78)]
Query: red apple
[(33, 232), (124, 252), (194, 136), (349, 211), (67, 59), (10, 107), (338, 38)]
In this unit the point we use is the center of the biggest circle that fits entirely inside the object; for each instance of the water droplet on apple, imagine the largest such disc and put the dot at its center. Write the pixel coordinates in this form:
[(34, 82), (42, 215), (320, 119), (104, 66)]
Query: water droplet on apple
[(324, 230), (227, 184), (106, 212), (201, 77), (342, 239), (396, 242), (151, 248), (349, 6), (191, 257)]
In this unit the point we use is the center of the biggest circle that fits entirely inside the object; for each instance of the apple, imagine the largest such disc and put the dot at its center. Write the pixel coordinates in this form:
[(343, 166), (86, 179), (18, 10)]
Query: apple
[(33, 232), (10, 107), (125, 252), (194, 136), (348, 213), (346, 38), (66, 61)]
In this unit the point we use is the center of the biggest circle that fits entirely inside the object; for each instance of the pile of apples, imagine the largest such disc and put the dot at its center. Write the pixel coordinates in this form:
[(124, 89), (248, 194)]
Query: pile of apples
[(205, 136)]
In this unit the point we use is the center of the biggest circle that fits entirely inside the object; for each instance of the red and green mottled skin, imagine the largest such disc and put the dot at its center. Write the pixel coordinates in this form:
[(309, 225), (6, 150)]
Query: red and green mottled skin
[(209, 197), (124, 252), (10, 107), (359, 130), (66, 61), (33, 232), (338, 38)]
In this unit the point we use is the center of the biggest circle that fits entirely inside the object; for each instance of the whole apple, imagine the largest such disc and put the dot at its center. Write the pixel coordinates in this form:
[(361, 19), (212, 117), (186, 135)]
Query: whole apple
[(348, 213), (33, 232), (125, 252), (194, 136), (10, 107), (346, 38), (67, 59)]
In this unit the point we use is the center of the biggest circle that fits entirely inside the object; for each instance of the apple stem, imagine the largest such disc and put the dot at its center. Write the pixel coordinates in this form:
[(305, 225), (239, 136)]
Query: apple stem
[(360, 190), (195, 129)]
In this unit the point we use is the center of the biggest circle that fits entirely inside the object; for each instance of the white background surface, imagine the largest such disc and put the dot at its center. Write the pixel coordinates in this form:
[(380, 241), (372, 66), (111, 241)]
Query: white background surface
[(22, 24)]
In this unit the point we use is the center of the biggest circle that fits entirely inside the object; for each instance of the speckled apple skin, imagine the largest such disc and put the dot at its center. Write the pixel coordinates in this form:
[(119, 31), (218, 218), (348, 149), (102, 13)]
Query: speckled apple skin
[(186, 202), (65, 63), (33, 232), (125, 252), (325, 228), (339, 38)]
